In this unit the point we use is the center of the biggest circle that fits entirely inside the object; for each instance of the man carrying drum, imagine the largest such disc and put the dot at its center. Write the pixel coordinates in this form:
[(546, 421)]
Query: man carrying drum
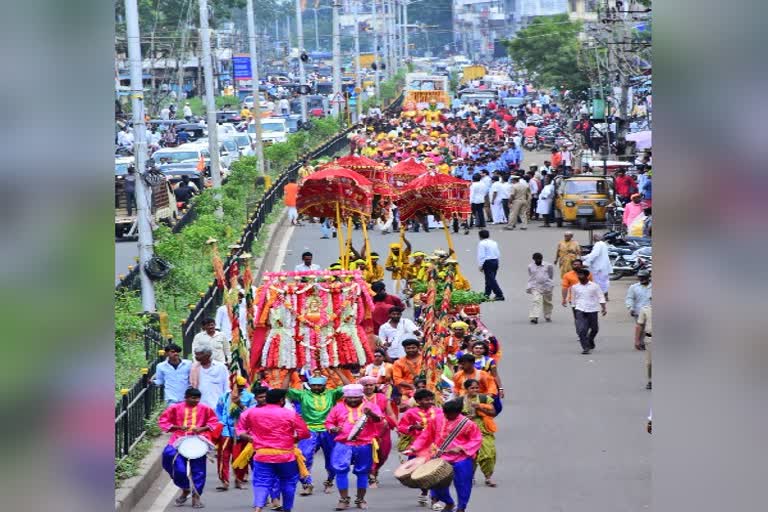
[(455, 439), (414, 421), (186, 421), (356, 425)]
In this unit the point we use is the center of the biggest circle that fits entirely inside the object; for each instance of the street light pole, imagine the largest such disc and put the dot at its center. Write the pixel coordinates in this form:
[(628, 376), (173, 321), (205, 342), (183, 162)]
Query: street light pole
[(336, 58), (317, 32), (302, 72), (143, 191), (255, 87), (405, 29), (210, 103), (377, 77)]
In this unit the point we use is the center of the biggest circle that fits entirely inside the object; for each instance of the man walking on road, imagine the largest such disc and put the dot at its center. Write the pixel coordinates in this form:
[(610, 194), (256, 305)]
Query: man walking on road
[(639, 296), (477, 195), (587, 300), (521, 198), (643, 335), (599, 263), (539, 287), (488, 261)]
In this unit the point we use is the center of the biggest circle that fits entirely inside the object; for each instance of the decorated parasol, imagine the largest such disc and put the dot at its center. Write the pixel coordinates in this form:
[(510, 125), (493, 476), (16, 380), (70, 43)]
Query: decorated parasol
[(406, 171), (339, 193), (434, 193)]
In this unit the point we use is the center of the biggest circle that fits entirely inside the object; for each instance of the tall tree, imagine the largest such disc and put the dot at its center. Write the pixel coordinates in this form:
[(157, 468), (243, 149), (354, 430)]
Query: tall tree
[(548, 48)]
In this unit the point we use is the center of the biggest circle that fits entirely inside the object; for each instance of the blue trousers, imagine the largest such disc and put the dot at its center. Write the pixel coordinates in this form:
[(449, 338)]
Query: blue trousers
[(345, 456), (463, 471), (176, 466), (267, 476), (322, 440)]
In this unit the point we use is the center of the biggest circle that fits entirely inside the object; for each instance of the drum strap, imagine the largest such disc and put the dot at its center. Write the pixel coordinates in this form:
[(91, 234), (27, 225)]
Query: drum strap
[(452, 436)]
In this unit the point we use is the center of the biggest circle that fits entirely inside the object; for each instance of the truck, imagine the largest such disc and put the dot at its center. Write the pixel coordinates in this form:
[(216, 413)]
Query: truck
[(474, 72), (162, 207), (422, 88)]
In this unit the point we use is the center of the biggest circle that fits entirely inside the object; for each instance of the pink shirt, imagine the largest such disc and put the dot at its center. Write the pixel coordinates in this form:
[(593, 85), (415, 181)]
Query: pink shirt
[(632, 210), (345, 417), (468, 440), (183, 416), (273, 427), (417, 416)]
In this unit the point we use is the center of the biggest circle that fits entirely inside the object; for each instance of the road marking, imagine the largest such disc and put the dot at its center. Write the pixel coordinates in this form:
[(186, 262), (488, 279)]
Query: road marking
[(282, 250), (164, 499)]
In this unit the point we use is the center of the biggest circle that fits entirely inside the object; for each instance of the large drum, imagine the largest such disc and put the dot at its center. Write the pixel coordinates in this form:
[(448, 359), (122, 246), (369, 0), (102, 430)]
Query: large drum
[(403, 473), (193, 447), (434, 474)]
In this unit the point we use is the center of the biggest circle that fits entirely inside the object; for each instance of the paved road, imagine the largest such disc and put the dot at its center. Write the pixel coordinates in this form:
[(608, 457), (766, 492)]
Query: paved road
[(571, 437), (125, 252)]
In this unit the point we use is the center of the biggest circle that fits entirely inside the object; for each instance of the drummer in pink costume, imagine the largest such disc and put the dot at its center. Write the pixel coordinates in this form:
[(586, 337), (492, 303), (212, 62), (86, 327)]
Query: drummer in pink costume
[(359, 452), (460, 452), (372, 396), (188, 418)]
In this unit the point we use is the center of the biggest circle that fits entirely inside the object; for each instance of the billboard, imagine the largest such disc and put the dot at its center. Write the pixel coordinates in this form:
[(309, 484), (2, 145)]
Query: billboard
[(241, 67)]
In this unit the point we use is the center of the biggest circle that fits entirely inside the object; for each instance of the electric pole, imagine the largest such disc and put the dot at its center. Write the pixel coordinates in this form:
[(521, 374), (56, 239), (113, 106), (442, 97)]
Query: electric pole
[(210, 104), (255, 88), (143, 190), (377, 63), (336, 59), (358, 81), (302, 72)]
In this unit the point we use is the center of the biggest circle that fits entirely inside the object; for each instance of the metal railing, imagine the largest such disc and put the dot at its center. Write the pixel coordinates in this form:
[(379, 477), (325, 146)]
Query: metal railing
[(137, 403)]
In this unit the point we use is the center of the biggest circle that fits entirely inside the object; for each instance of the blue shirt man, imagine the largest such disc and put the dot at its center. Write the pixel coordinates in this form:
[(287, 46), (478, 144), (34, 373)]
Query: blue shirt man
[(227, 414), (173, 373)]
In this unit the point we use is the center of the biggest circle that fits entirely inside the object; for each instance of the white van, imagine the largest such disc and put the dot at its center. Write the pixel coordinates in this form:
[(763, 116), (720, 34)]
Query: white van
[(273, 129)]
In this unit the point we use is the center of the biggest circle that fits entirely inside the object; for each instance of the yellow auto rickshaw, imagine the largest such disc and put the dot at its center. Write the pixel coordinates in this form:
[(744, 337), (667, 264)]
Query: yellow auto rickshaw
[(582, 199)]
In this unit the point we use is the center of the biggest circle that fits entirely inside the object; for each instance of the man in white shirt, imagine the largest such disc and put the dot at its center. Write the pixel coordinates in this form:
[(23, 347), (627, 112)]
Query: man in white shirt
[(215, 339), (506, 192), (599, 263), (477, 194), (488, 261), (587, 299), (209, 376), (285, 107), (165, 113), (306, 265), (397, 329), (187, 111)]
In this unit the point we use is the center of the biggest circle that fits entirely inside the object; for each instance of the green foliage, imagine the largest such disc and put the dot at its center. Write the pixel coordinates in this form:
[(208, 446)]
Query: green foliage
[(129, 338), (197, 104), (548, 49)]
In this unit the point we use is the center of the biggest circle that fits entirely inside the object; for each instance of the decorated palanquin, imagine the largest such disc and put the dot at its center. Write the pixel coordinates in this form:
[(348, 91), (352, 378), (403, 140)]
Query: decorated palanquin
[(317, 319)]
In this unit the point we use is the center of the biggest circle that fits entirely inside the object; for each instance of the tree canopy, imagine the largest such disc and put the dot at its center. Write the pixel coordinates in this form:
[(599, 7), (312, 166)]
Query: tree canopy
[(548, 49)]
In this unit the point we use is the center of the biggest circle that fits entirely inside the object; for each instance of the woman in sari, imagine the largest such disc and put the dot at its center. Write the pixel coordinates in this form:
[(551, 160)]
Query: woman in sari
[(567, 250), (479, 408)]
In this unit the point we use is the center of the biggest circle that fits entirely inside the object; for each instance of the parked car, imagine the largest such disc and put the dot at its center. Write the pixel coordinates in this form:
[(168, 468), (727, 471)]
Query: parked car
[(227, 116), (273, 129)]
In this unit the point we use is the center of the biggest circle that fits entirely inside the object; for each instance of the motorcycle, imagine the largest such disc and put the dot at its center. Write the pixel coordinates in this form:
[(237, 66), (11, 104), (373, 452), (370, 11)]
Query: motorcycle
[(530, 143), (629, 264)]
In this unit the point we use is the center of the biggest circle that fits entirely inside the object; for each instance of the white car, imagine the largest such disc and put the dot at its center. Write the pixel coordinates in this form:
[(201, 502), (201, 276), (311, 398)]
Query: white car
[(201, 146), (273, 129), (248, 102)]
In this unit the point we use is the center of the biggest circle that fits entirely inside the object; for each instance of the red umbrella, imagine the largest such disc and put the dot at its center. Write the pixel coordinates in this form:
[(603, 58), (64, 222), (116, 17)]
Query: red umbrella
[(434, 193), (384, 189), (407, 170), (323, 190), (371, 169)]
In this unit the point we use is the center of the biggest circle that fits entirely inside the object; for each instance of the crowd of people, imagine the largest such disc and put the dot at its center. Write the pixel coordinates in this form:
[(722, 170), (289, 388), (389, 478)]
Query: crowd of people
[(270, 425), (273, 425)]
